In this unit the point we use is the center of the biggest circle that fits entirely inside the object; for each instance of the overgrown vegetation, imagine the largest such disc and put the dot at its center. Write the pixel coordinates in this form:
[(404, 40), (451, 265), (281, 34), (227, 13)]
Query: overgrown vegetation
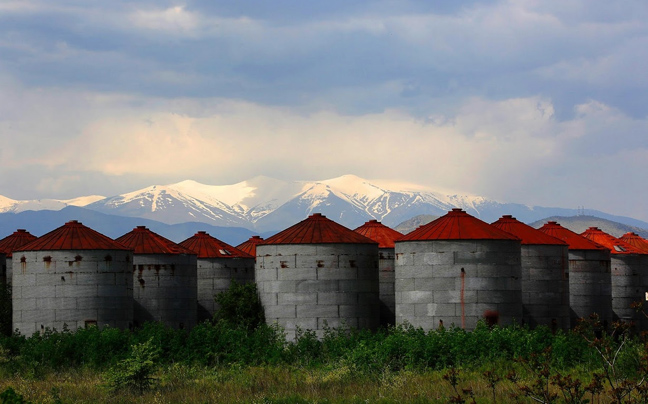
[(238, 357)]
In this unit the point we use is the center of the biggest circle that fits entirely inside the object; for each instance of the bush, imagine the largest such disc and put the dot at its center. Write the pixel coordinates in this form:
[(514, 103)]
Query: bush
[(240, 306), (136, 371)]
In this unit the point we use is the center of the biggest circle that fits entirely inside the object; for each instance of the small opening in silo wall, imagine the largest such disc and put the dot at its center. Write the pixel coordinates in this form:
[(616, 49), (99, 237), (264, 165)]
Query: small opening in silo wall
[(47, 258), (108, 258), (284, 264), (78, 258)]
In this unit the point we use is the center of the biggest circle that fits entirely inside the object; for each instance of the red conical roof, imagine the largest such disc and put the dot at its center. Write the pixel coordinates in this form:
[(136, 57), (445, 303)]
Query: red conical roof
[(575, 240), (612, 243), (73, 235), (207, 246), (317, 229), (457, 225), (14, 241), (635, 240), (144, 241), (379, 233), (249, 246), (524, 232)]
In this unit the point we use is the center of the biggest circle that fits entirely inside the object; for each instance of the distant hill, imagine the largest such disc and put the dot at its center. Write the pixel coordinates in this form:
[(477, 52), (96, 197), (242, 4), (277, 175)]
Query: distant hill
[(579, 224), (412, 224), (43, 221)]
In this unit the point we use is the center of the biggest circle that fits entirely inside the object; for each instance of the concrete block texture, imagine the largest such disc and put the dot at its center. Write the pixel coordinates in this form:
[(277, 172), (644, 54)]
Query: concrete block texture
[(166, 289), (316, 282), (590, 285), (545, 286), (442, 280), (66, 284)]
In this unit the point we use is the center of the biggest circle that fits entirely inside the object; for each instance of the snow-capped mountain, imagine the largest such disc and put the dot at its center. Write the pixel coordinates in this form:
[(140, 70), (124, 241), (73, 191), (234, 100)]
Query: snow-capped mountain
[(8, 205), (267, 204)]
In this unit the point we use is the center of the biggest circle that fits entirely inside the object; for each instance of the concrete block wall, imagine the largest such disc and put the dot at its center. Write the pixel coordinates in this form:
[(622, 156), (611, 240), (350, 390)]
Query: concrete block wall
[(165, 289), (590, 285), (386, 275), (73, 288), (629, 285), (545, 285), (457, 282), (215, 275), (312, 286)]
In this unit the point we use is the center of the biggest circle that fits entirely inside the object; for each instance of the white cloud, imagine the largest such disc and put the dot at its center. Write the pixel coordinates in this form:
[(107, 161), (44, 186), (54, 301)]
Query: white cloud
[(174, 19)]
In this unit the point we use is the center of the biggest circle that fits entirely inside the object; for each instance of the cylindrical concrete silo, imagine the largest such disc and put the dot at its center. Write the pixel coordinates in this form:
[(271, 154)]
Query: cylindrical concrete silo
[(385, 238), (318, 273), (249, 246), (545, 283), (218, 265), (165, 284), (10, 244), (590, 286), (457, 270), (629, 270), (72, 276)]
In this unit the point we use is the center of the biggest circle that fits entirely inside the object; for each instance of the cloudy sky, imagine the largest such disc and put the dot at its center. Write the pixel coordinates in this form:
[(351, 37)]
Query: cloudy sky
[(542, 102)]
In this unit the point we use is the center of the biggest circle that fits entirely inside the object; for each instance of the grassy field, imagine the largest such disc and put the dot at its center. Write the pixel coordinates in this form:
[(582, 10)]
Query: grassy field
[(180, 383)]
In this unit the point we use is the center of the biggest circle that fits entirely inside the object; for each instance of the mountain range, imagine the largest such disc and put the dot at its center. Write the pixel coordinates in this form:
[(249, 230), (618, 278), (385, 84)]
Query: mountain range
[(264, 205)]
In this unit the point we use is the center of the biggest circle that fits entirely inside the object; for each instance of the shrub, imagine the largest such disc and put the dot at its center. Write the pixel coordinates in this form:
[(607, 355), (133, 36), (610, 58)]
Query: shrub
[(136, 371), (240, 306)]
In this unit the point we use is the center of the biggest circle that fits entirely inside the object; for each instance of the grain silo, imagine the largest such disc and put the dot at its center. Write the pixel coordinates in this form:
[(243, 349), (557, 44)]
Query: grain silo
[(545, 269), (10, 244), (385, 238), (249, 246), (590, 287), (72, 277), (635, 240), (164, 279), (457, 270), (318, 273), (629, 269), (218, 265)]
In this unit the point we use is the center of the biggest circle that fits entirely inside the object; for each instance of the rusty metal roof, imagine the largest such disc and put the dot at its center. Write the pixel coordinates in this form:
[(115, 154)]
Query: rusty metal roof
[(207, 246), (249, 246), (14, 241), (317, 229), (73, 235), (379, 233), (144, 241), (457, 225), (612, 243), (575, 240), (635, 240), (526, 233)]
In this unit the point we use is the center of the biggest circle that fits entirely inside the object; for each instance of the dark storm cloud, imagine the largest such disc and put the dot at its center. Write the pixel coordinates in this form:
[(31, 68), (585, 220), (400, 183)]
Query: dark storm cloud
[(294, 52)]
